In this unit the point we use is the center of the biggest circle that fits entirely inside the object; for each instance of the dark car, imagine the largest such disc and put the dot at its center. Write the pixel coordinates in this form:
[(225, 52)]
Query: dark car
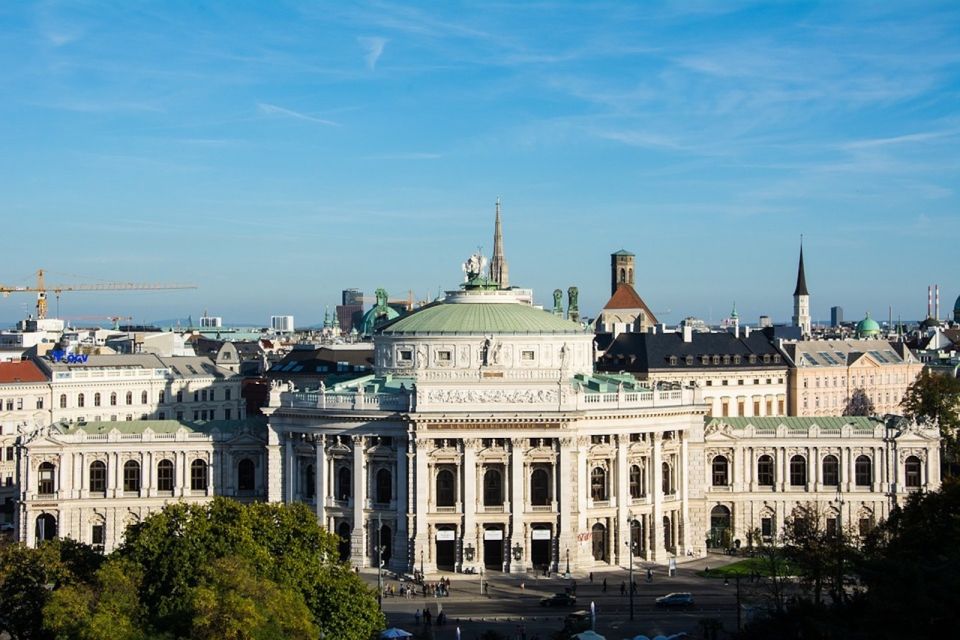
[(558, 600), (675, 600), (577, 621)]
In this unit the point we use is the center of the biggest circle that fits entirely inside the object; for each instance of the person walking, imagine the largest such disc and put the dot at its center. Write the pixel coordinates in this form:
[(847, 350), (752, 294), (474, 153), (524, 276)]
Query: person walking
[(604, 590), (591, 577), (623, 588), (416, 616)]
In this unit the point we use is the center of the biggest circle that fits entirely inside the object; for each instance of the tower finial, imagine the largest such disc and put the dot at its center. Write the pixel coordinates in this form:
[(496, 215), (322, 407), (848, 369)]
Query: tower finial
[(499, 272)]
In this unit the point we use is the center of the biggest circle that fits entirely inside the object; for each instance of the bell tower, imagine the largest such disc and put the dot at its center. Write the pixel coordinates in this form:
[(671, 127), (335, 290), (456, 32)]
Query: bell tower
[(801, 299), (621, 269)]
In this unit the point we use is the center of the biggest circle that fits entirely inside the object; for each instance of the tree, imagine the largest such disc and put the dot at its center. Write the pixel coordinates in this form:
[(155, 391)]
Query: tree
[(774, 567), (29, 576), (281, 543), (107, 607), (935, 398), (822, 557), (859, 404), (232, 603)]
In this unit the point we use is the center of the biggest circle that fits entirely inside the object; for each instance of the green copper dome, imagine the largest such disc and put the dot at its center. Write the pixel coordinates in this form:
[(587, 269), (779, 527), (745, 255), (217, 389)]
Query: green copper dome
[(956, 305), (481, 318), (376, 317), (868, 328)]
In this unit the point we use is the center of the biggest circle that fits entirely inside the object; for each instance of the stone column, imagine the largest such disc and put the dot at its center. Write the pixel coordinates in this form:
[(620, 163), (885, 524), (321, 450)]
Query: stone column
[(422, 491), (583, 491), (401, 549), (470, 479), (320, 477), (274, 466), (684, 479), (517, 505), (357, 542), (621, 554), (657, 552), (289, 460), (565, 497)]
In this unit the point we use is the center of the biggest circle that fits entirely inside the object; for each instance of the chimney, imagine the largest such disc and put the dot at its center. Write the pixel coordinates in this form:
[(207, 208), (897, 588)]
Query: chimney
[(929, 300), (687, 333), (746, 331), (937, 307)]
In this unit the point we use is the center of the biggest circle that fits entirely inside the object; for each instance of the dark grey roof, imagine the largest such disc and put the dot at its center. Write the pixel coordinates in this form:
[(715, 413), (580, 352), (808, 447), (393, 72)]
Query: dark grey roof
[(642, 352), (801, 289), (322, 361)]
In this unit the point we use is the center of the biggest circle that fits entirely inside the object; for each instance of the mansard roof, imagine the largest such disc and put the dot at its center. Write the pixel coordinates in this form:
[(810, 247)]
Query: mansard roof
[(642, 352)]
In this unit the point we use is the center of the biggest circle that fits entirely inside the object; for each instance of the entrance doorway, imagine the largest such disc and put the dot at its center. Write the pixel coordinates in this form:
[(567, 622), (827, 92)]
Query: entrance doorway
[(46, 527), (541, 543), (599, 535), (446, 548), (343, 532), (386, 544), (720, 534), (493, 548)]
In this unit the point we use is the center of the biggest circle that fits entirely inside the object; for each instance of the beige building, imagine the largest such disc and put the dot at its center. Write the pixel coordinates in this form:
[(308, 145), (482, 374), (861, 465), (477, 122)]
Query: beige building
[(826, 376)]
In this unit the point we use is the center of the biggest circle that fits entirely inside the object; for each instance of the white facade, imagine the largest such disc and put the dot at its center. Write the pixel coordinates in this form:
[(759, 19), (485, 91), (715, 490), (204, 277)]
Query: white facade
[(281, 324)]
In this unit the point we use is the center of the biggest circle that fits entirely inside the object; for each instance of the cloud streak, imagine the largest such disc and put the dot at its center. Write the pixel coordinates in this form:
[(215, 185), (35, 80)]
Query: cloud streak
[(275, 110), (374, 48)]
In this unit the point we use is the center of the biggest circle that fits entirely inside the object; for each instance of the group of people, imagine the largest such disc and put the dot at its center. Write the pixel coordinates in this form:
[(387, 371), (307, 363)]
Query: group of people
[(427, 617), (439, 589)]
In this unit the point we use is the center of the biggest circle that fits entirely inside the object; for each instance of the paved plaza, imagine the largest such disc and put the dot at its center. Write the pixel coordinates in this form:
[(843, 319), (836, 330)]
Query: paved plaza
[(512, 603)]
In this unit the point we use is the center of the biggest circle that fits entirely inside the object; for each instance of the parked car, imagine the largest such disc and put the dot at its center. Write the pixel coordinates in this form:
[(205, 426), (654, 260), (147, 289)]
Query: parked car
[(577, 621), (677, 600), (558, 600)]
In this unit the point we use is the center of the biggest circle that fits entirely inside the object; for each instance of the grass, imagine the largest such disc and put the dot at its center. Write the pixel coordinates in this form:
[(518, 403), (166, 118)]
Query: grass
[(745, 567)]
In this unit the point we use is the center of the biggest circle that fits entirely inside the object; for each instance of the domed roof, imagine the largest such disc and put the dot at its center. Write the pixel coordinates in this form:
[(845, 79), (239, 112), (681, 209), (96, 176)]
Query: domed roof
[(376, 317), (956, 305), (474, 315), (868, 327)]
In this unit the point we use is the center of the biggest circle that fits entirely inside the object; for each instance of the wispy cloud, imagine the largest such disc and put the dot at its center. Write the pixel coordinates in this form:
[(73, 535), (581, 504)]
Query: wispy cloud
[(904, 139), (275, 110), (411, 155), (374, 47)]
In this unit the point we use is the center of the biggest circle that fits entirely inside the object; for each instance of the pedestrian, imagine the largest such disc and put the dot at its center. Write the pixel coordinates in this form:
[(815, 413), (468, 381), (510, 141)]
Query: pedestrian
[(649, 575), (623, 588), (591, 577), (604, 585), (521, 585), (416, 616)]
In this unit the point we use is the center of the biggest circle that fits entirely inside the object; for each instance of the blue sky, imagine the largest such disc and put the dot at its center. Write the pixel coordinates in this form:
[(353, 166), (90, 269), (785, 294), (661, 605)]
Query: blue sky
[(275, 153)]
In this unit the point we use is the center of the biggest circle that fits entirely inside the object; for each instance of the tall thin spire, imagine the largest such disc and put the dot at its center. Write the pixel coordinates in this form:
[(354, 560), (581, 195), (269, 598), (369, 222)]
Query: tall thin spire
[(801, 289), (499, 271)]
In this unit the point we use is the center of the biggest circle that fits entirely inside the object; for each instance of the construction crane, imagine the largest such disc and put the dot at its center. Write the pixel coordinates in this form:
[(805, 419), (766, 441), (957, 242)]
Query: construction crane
[(42, 288)]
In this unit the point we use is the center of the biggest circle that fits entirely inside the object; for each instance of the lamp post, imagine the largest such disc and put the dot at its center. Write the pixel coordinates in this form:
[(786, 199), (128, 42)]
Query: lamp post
[(421, 565), (839, 534), (632, 523), (568, 563)]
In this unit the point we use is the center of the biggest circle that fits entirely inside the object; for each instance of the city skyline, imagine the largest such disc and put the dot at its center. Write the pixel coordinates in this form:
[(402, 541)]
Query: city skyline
[(274, 156)]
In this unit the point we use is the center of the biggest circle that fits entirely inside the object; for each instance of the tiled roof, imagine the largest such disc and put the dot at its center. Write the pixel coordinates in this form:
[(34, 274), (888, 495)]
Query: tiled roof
[(625, 297), (23, 371), (163, 426), (831, 423), (641, 352), (480, 318)]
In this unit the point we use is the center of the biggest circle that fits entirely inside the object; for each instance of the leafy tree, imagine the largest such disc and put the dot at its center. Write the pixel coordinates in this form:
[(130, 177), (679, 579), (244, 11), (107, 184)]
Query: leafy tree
[(859, 404), (935, 398), (108, 607), (822, 558), (232, 603), (281, 543), (774, 566), (29, 576)]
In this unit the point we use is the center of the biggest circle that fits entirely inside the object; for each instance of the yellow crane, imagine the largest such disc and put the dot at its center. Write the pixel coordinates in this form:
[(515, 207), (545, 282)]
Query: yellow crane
[(42, 288)]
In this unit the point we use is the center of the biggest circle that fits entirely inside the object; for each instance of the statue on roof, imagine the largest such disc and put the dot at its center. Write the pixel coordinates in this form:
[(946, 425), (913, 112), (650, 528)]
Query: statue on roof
[(474, 266), (381, 295), (558, 302)]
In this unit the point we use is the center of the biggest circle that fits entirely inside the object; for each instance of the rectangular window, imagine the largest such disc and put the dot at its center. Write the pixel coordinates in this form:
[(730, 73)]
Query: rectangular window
[(179, 415), (196, 415), (98, 535), (196, 396), (179, 396), (405, 355), (766, 528), (444, 356), (226, 414), (528, 356), (9, 404), (39, 403), (9, 453), (162, 415), (226, 393)]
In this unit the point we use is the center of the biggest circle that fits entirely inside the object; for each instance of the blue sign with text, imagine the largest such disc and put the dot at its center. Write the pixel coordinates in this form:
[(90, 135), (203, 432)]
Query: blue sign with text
[(59, 355)]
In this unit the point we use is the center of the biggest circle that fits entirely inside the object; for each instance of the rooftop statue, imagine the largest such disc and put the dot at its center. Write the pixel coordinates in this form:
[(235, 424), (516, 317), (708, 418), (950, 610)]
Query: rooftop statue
[(474, 266)]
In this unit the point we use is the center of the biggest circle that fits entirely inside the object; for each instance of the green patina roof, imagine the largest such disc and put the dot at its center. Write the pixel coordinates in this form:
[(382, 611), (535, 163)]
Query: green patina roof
[(868, 326), (161, 426), (770, 423), (609, 382), (481, 318), (622, 252)]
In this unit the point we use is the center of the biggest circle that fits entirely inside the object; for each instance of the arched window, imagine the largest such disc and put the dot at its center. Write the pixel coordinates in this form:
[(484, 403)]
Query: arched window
[(46, 527), (165, 475), (384, 486), (623, 275), (492, 488), (198, 475), (666, 478), (47, 482), (386, 546), (599, 536), (113, 399), (863, 471), (540, 487), (131, 476), (721, 471), (446, 496), (667, 533), (63, 401), (310, 482), (911, 470), (246, 475), (80, 400), (343, 532), (343, 483), (143, 398), (720, 527), (96, 399), (162, 397), (798, 471), (98, 477), (831, 471), (598, 483), (129, 397), (636, 481), (765, 475)]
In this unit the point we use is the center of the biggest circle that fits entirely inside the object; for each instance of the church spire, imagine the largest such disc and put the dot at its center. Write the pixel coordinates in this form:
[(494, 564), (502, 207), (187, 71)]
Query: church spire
[(801, 289), (499, 272)]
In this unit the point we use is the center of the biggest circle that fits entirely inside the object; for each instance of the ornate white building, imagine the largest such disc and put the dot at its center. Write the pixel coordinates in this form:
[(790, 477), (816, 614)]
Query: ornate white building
[(484, 439)]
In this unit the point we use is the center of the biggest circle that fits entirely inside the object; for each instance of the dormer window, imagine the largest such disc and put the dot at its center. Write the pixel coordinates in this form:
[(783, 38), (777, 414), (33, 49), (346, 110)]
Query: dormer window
[(753, 359), (673, 361), (766, 358), (716, 359), (689, 360), (776, 358), (726, 359), (736, 359), (705, 360)]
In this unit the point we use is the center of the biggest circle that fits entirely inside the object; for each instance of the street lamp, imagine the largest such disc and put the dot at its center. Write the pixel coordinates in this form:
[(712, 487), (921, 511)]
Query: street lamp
[(379, 562), (839, 533), (468, 552), (632, 524), (421, 564), (568, 564)]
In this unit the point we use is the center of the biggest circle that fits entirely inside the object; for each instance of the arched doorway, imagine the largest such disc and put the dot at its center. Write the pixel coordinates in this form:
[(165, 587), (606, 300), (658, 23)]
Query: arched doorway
[(667, 533), (599, 535), (540, 487), (46, 527), (720, 531), (541, 540), (493, 547), (343, 532)]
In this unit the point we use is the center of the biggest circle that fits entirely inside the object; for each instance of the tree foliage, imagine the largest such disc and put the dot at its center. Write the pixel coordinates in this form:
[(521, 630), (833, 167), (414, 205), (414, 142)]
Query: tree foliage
[(859, 404), (935, 398), (29, 577)]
